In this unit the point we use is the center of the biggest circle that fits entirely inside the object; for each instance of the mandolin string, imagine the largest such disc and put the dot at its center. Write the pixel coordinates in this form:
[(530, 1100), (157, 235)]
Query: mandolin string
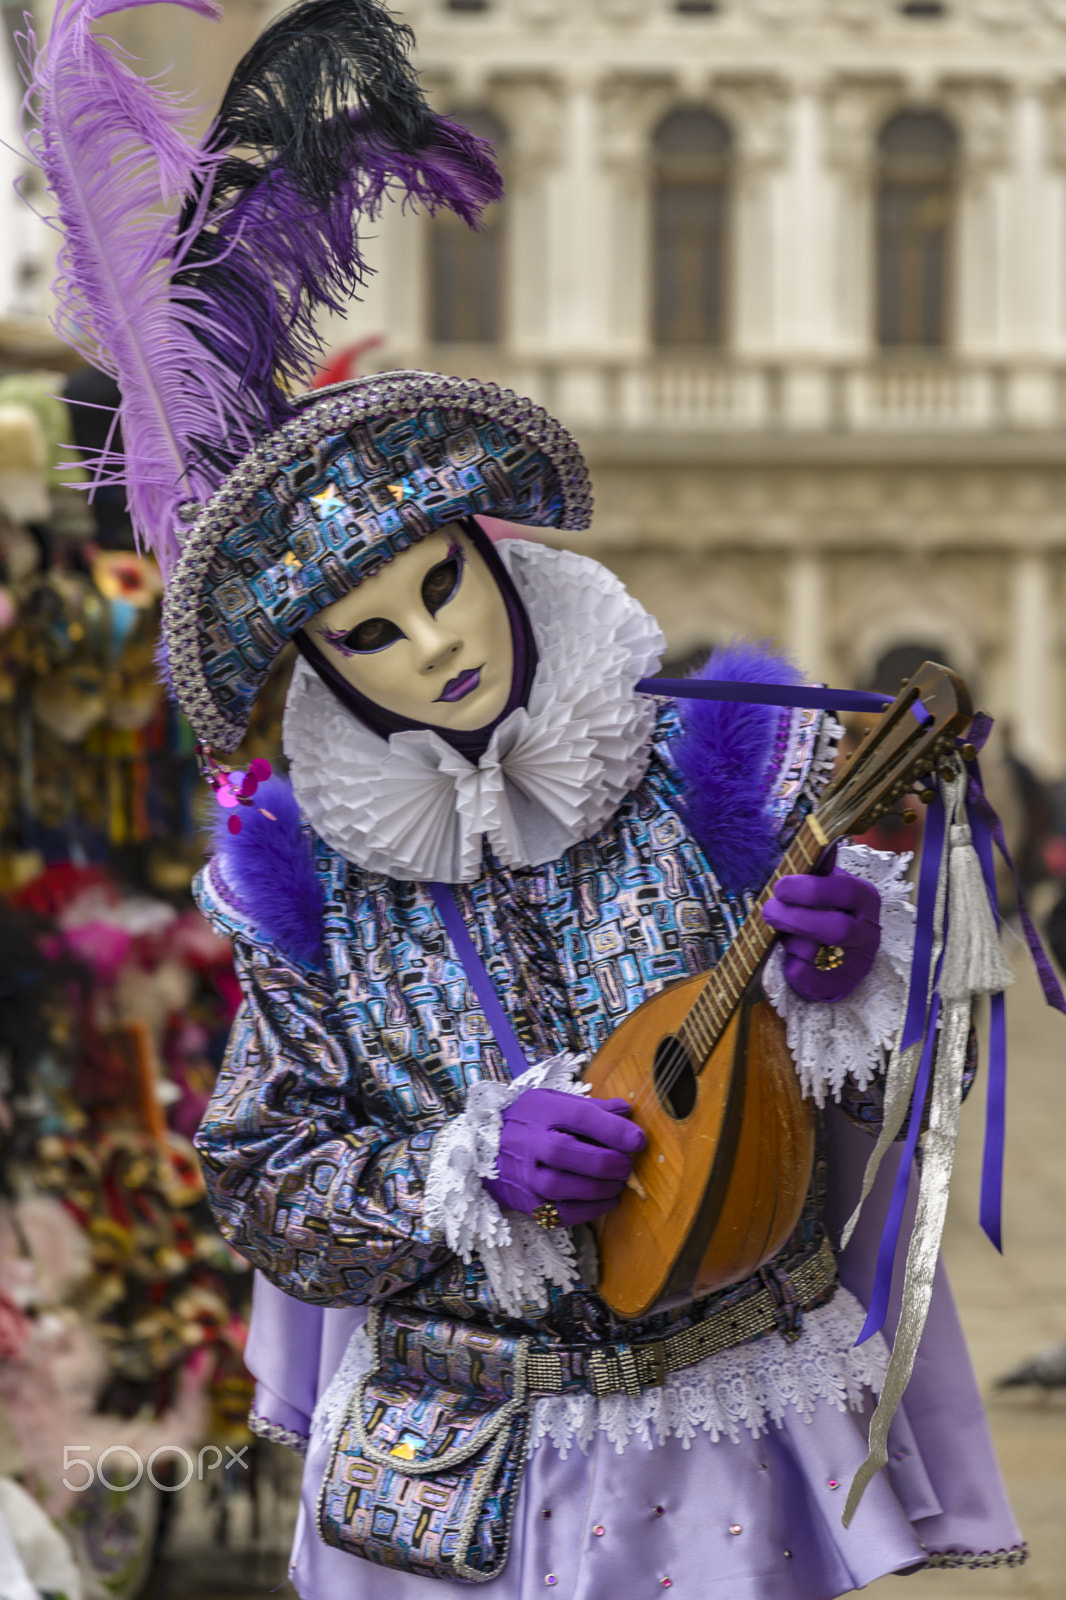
[(751, 943), (705, 1023), (703, 1026)]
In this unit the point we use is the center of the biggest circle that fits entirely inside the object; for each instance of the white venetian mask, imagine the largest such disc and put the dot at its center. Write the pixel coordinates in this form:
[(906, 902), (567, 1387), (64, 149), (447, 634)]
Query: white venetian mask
[(427, 637)]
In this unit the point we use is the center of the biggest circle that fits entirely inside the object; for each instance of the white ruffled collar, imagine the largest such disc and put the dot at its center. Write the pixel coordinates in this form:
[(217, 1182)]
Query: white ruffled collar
[(413, 808)]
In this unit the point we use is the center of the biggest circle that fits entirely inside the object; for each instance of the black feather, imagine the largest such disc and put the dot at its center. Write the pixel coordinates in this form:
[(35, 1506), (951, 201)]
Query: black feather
[(324, 117), (289, 92)]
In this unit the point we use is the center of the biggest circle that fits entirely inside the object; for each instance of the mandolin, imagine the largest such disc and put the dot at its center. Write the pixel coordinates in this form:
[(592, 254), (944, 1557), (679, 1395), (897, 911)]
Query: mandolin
[(721, 1182)]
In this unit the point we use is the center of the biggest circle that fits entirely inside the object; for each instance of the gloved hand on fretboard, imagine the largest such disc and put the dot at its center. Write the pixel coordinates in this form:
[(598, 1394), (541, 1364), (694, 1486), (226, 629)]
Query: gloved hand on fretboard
[(830, 926)]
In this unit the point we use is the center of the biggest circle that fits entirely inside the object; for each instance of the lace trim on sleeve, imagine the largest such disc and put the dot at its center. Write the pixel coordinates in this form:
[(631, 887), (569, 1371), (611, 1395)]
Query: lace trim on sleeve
[(849, 1039), (520, 1259)]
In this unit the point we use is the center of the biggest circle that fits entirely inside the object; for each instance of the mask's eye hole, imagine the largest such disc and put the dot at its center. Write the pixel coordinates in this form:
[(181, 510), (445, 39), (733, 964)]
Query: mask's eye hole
[(440, 583), (376, 633)]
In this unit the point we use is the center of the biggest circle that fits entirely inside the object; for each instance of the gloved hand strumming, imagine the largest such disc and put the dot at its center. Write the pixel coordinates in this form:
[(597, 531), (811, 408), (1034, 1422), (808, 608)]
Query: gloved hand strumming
[(810, 911), (560, 1147)]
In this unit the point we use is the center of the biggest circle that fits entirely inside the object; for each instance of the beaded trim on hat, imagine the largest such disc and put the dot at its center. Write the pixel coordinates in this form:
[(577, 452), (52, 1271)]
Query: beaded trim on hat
[(322, 415)]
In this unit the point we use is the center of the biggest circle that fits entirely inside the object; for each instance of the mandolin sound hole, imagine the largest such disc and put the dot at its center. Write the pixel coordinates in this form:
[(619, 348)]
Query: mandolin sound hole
[(674, 1078)]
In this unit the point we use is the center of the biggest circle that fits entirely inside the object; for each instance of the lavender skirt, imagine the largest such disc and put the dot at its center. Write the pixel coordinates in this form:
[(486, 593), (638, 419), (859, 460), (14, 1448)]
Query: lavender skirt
[(754, 1520)]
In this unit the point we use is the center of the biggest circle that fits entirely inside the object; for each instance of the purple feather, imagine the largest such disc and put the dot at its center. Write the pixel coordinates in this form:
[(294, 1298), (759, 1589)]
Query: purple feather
[(117, 154), (193, 273), (723, 756), (270, 869), (274, 255)]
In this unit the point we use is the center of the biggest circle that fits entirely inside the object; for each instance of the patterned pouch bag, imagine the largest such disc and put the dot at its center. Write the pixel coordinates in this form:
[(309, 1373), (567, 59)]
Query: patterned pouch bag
[(426, 1465)]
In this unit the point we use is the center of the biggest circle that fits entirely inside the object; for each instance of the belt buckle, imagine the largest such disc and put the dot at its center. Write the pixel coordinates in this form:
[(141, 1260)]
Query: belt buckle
[(653, 1364), (603, 1380)]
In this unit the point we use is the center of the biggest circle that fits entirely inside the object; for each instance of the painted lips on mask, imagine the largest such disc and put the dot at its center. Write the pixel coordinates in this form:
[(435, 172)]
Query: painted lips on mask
[(458, 688)]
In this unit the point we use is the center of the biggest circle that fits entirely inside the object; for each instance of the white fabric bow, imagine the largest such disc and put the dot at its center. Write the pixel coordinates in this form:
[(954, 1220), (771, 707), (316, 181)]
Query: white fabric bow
[(413, 808)]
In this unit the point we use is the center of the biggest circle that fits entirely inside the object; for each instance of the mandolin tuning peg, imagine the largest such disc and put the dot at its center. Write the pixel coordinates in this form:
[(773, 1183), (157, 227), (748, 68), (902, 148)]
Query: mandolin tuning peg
[(968, 752), (909, 816), (927, 796)]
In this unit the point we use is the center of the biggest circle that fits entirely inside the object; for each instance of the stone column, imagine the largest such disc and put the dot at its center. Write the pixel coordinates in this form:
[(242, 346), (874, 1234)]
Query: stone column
[(630, 107), (532, 109), (755, 106), (1031, 624), (981, 110), (804, 613), (855, 108), (576, 262)]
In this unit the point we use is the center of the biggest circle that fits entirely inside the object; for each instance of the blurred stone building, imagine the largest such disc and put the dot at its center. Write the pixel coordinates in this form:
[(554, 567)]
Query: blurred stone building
[(795, 273)]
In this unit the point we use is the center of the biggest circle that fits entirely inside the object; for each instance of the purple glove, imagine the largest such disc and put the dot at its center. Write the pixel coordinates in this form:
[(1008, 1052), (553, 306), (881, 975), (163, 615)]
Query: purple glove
[(574, 1152), (830, 913)]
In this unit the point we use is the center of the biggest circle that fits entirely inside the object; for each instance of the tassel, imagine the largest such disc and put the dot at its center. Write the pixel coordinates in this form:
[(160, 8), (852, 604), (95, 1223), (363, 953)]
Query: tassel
[(973, 961)]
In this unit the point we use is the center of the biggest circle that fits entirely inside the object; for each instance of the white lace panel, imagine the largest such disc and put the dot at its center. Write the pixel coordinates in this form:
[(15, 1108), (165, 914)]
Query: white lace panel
[(750, 1387), (849, 1039), (520, 1258)]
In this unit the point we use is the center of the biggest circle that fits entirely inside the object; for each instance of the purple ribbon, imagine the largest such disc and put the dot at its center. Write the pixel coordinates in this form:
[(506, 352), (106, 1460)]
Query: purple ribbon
[(928, 875), (987, 829), (478, 976), (769, 694)]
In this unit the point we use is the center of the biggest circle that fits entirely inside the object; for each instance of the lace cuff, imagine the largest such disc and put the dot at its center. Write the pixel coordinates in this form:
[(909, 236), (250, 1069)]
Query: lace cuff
[(849, 1039), (520, 1259)]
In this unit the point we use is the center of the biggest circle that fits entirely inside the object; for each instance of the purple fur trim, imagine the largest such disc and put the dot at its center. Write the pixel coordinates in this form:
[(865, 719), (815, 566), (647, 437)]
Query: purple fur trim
[(723, 756), (269, 868)]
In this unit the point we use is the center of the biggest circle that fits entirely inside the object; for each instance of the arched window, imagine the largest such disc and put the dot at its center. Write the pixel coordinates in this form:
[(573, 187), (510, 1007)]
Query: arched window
[(692, 151), (466, 268), (918, 158)]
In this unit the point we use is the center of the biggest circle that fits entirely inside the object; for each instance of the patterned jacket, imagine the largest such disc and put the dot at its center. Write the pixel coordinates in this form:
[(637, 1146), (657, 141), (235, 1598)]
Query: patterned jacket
[(342, 1069)]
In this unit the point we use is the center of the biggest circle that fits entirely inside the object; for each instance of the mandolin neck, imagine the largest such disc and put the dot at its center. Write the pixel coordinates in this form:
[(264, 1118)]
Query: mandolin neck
[(726, 983)]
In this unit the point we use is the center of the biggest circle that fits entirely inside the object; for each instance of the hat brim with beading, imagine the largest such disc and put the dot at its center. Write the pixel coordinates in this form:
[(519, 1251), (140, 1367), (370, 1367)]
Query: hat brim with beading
[(364, 471)]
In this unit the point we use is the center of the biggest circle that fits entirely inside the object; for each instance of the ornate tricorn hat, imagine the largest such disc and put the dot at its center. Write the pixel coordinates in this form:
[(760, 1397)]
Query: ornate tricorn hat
[(364, 471)]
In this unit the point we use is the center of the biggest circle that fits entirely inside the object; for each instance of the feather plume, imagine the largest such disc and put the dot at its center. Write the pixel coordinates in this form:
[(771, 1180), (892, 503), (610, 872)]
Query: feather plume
[(193, 273), (326, 112), (117, 153)]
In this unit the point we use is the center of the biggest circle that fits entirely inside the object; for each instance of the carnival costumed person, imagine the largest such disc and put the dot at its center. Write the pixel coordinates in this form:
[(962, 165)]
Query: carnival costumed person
[(494, 847)]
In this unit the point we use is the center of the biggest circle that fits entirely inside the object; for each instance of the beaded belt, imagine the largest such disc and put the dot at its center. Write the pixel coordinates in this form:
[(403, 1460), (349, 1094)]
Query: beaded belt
[(605, 1369)]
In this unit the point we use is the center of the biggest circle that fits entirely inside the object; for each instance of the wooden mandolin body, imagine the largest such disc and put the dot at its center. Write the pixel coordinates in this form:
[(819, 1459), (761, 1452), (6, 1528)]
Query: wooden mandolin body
[(728, 1157)]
